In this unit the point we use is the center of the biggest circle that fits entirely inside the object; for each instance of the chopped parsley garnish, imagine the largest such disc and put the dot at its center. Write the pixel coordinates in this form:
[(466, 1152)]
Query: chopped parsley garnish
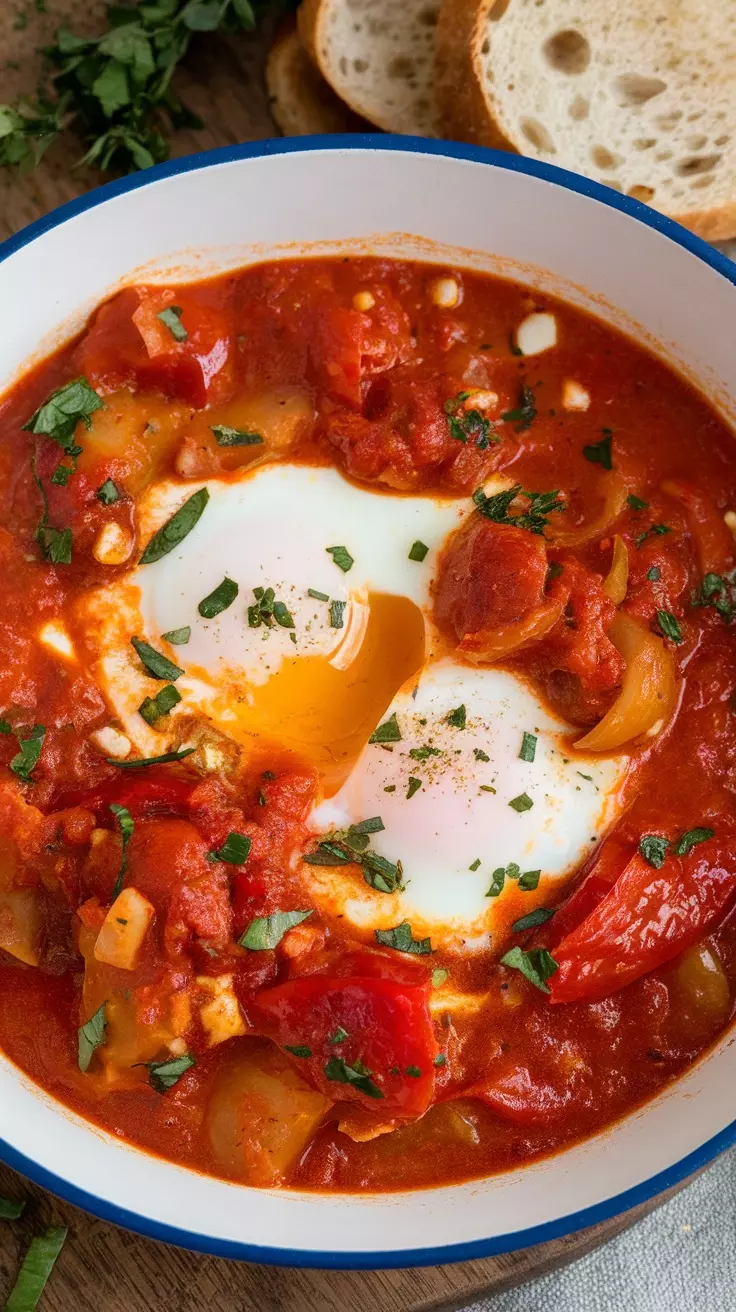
[(337, 614), (467, 425), (91, 1036), (171, 318), (528, 748), (402, 939), (151, 760), (691, 840), (55, 543), (440, 1059), (526, 411), (341, 557), (339, 1036), (156, 664), (718, 591), (226, 436), (654, 849), (486, 788), (126, 825), (439, 977), (178, 637), (529, 880), (107, 493), (457, 717), (418, 551), (539, 916), (267, 609), (348, 846), (521, 803), (388, 732), (534, 518), (423, 753), (36, 1268), (298, 1049), (62, 411), (5, 727), (636, 503), (413, 1071), (358, 1075), (537, 965), (373, 825), (654, 574), (669, 626), (163, 1075), (475, 864), (176, 528), (480, 755), (26, 760), (266, 932), (654, 531), (318, 596), (217, 601), (498, 879), (414, 786), (153, 708), (235, 850), (599, 453)]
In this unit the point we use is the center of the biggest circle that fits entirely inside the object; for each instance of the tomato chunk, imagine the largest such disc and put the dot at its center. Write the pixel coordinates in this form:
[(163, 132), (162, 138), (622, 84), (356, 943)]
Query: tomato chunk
[(388, 1033), (648, 917), (491, 577), (579, 642), (155, 792)]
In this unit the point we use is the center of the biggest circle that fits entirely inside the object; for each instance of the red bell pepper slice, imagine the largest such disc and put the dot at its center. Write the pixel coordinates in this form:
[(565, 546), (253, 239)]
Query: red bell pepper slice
[(158, 793), (386, 1060), (647, 918)]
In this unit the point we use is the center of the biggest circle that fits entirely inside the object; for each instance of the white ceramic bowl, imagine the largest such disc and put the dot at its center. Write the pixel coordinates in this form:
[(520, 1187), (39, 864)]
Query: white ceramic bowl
[(430, 201)]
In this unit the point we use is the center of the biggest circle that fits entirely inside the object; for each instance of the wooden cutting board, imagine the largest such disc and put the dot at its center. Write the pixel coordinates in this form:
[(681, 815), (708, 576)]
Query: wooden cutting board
[(103, 1269)]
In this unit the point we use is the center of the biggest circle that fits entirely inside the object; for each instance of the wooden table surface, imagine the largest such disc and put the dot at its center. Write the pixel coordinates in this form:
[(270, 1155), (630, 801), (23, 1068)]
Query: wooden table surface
[(101, 1268)]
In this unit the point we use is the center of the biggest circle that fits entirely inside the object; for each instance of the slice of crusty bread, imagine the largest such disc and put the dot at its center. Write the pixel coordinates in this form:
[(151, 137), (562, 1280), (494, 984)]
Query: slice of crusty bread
[(298, 96), (378, 56), (639, 94)]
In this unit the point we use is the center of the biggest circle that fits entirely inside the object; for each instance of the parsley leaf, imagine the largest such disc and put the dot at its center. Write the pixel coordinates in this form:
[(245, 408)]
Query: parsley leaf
[(339, 1036), (669, 626), (163, 1075), (534, 518), (470, 424), (718, 591), (217, 601), (654, 849), (599, 453), (267, 610), (691, 840), (357, 1075), (521, 803), (317, 596), (337, 614), (341, 557), (636, 503), (63, 410), (414, 786), (528, 749), (537, 965), (539, 916), (107, 493), (178, 637), (298, 1049), (91, 1036), (157, 665), (171, 319), (418, 551), (402, 940), (388, 732), (127, 825), (457, 717), (235, 850), (266, 932), (30, 751), (226, 436), (526, 411), (153, 708), (176, 528)]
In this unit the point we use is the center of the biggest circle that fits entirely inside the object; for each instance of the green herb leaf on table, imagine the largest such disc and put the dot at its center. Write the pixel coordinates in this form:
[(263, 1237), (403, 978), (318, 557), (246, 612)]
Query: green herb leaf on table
[(91, 1036), (537, 965), (36, 1268), (10, 1210), (176, 528), (266, 932)]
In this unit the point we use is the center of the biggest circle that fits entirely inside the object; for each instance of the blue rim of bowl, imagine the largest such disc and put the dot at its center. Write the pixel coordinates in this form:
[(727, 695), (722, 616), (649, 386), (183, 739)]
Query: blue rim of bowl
[(478, 1248)]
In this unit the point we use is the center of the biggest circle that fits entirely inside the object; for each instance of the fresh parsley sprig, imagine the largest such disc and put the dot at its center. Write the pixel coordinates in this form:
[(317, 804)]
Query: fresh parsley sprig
[(115, 90)]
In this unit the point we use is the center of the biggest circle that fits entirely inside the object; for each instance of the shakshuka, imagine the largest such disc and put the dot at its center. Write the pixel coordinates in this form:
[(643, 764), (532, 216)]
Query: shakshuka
[(367, 724)]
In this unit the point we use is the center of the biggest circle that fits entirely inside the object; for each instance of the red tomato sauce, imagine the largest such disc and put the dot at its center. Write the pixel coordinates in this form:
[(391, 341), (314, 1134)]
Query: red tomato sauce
[(292, 1052)]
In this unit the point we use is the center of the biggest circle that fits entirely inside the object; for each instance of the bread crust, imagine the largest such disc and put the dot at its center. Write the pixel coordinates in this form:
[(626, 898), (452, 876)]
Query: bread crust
[(464, 105), (299, 99)]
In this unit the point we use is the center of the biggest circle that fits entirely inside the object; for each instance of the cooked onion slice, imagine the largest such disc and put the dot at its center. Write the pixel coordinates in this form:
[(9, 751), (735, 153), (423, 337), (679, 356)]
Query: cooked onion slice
[(647, 693), (615, 582), (493, 644), (614, 500)]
